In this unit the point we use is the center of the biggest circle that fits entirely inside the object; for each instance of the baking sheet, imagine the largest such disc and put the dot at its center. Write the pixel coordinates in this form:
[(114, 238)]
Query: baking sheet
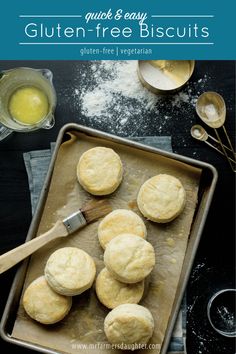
[(84, 324)]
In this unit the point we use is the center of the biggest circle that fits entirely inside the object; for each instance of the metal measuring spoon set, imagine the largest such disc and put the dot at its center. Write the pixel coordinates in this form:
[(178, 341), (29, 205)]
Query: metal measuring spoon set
[(211, 109)]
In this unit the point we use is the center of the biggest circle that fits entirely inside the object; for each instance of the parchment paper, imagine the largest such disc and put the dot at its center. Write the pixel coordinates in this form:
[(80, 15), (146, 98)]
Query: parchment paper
[(82, 329)]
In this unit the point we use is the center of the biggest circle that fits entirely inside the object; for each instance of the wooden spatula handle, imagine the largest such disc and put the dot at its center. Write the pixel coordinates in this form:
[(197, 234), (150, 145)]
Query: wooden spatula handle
[(9, 259)]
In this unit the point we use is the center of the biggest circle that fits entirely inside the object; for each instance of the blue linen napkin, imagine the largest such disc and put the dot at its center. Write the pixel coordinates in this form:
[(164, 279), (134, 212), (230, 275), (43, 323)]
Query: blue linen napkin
[(36, 177)]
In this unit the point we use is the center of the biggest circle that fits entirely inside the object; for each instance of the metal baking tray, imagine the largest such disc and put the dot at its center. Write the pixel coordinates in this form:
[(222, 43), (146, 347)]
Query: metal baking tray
[(206, 191)]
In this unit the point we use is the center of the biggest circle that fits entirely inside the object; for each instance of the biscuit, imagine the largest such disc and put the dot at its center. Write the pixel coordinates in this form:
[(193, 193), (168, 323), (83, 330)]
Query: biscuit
[(161, 198), (112, 292), (120, 221), (129, 324), (100, 171), (70, 271), (43, 304), (129, 258)]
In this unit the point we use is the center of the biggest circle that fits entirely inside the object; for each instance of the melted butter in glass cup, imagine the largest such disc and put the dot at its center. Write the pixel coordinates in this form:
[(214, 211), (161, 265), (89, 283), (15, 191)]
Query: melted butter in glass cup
[(19, 86)]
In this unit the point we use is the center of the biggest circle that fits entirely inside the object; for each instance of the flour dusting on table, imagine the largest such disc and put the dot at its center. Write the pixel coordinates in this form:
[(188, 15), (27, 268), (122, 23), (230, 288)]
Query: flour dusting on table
[(116, 81), (110, 93)]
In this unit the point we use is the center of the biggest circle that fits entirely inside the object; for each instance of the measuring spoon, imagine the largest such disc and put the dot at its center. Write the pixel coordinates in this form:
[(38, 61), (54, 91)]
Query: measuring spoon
[(199, 133), (211, 109)]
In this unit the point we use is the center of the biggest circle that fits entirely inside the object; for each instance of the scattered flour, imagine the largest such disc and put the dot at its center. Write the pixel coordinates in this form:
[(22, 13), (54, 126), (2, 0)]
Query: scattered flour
[(114, 83), (110, 94)]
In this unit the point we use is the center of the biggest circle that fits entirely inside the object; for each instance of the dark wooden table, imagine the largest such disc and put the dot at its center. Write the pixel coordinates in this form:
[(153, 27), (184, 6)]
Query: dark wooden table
[(214, 264)]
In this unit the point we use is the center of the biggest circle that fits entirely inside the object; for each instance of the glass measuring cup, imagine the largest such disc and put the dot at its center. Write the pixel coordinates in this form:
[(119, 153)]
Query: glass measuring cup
[(14, 79), (221, 312)]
